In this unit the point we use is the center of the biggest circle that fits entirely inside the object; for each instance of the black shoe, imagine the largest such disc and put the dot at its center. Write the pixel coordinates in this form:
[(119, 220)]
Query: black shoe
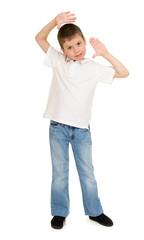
[(103, 220), (57, 222)]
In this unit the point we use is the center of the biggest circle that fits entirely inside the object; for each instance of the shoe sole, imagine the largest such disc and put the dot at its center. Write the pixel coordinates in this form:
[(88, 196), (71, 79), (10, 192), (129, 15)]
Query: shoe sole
[(56, 227)]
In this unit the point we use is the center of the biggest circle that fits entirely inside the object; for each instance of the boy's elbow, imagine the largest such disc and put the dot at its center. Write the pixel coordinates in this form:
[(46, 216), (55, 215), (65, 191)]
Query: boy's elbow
[(36, 38), (126, 74), (123, 74)]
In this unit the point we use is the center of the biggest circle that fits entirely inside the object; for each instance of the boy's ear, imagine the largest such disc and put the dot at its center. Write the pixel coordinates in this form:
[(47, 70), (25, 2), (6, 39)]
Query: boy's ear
[(63, 51), (85, 41)]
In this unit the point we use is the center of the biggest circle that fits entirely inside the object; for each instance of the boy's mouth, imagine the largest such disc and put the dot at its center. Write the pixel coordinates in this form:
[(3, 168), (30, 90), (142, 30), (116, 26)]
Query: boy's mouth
[(79, 55)]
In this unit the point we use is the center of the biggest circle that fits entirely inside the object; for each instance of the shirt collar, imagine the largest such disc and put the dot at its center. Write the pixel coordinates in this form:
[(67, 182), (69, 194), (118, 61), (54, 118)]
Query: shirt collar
[(82, 61)]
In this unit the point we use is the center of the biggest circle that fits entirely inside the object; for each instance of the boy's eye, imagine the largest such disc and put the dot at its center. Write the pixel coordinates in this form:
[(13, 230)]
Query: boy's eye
[(79, 43), (69, 47)]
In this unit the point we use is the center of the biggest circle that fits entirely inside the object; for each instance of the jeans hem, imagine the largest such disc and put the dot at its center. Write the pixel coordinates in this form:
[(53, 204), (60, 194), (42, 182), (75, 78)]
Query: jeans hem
[(94, 215), (59, 213)]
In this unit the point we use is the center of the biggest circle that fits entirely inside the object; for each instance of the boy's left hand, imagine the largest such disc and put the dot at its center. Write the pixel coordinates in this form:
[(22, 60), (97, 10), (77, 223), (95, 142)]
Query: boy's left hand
[(64, 17), (98, 46)]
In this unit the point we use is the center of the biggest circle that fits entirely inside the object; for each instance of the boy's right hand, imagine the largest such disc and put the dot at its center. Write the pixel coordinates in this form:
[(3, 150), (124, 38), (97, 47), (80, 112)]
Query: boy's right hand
[(65, 17)]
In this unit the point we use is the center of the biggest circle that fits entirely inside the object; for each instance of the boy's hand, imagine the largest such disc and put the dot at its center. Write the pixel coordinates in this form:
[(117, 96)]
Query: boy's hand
[(65, 17), (98, 46)]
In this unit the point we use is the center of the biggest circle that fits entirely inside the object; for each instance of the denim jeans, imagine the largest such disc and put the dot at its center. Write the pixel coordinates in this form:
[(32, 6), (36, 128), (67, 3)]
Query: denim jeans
[(60, 135)]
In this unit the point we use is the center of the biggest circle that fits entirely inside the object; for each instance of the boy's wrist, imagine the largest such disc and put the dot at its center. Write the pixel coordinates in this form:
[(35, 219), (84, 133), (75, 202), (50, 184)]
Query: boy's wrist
[(105, 55), (55, 21)]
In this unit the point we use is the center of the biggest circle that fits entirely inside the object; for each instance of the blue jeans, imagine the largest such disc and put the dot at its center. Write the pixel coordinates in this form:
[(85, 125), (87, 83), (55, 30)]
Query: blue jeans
[(60, 135)]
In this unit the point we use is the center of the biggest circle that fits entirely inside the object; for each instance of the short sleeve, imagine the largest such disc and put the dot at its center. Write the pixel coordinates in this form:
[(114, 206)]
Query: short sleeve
[(51, 57), (105, 74)]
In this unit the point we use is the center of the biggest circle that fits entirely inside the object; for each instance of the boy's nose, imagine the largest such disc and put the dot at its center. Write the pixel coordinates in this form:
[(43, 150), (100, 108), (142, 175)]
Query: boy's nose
[(76, 50), (76, 53)]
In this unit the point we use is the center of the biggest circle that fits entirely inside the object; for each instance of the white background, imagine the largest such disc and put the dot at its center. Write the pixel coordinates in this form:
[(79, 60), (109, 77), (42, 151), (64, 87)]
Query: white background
[(116, 125)]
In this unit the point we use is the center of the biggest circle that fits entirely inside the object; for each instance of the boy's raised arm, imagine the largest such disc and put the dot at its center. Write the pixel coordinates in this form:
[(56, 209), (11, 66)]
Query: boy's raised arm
[(41, 37), (120, 70)]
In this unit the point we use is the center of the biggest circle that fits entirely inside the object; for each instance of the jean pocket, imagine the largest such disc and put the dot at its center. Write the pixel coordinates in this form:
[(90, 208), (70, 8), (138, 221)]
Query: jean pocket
[(55, 124)]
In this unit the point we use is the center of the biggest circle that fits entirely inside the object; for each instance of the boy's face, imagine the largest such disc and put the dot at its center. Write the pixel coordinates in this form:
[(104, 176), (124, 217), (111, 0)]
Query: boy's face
[(75, 48)]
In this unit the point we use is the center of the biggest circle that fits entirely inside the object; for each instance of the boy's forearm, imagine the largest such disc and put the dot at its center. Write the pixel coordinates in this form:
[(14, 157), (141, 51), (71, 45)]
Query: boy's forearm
[(117, 65), (43, 34)]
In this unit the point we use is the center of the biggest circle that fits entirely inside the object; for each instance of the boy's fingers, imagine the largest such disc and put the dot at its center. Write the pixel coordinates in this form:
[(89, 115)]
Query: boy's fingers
[(71, 19), (93, 41), (95, 55), (71, 14), (98, 40), (92, 44), (58, 26)]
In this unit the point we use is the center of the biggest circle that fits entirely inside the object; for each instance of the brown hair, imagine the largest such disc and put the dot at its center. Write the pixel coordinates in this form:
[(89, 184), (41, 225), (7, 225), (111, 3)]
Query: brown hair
[(68, 31)]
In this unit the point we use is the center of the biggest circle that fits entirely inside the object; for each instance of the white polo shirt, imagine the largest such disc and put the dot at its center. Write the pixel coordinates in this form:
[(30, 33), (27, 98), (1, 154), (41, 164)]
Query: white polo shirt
[(72, 88)]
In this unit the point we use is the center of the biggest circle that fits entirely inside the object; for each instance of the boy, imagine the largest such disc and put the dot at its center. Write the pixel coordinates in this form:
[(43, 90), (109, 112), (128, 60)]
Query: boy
[(69, 109)]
